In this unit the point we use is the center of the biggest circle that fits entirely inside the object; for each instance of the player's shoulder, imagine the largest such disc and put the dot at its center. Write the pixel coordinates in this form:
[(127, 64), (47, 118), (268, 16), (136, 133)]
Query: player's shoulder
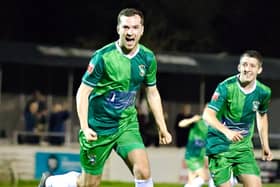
[(107, 48), (263, 87), (146, 50), (146, 53), (103, 50), (229, 81)]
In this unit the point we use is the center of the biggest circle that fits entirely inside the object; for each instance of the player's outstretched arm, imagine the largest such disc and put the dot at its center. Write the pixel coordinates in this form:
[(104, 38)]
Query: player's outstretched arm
[(187, 121)]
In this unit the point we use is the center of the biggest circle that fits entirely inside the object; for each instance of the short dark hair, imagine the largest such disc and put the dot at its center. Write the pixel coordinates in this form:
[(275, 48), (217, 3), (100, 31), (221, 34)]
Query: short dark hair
[(131, 12), (254, 54)]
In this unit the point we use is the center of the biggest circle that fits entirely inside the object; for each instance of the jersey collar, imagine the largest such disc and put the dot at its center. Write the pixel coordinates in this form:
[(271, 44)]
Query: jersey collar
[(242, 89), (127, 56)]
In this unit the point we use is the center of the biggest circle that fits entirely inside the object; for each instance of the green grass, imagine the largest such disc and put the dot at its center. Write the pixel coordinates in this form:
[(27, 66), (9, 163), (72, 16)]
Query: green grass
[(103, 184), (33, 183)]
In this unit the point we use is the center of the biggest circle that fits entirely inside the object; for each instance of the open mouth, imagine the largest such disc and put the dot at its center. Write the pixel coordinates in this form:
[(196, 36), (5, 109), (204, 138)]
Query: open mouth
[(129, 40)]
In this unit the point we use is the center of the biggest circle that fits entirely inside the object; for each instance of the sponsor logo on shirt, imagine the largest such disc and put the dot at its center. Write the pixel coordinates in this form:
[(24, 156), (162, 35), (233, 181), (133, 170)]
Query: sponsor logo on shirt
[(215, 96), (90, 68)]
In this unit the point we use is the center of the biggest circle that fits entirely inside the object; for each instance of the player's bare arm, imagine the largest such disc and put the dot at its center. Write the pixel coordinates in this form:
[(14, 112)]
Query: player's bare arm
[(186, 122), (155, 104), (82, 109), (262, 124), (209, 115)]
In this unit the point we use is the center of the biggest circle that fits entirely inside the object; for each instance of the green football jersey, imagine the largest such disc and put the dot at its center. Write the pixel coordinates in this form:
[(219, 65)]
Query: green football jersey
[(196, 141), (236, 109), (116, 78)]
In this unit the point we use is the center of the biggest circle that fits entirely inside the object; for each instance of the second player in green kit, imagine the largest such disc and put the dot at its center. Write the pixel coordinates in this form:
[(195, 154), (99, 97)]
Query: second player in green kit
[(238, 103)]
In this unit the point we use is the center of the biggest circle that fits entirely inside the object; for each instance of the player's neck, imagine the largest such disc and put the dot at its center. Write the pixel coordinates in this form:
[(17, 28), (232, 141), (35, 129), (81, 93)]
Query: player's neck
[(247, 86), (126, 52)]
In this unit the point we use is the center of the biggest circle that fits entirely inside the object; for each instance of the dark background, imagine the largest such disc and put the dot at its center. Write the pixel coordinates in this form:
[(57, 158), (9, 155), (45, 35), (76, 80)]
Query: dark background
[(219, 27), (211, 26)]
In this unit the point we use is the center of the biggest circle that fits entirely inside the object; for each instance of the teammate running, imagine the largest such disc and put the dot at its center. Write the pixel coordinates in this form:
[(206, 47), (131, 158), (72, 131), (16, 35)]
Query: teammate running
[(231, 113)]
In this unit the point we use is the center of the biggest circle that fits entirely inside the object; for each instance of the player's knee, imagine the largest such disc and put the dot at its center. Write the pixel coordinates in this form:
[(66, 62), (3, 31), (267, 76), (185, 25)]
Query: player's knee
[(86, 182), (142, 172)]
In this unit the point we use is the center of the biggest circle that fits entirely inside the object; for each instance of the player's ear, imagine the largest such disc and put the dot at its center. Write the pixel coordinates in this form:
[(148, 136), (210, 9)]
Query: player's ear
[(239, 67), (260, 70), (142, 31), (118, 29)]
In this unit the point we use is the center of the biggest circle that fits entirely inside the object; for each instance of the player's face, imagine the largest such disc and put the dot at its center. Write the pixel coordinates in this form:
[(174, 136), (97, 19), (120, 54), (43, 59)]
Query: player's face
[(249, 68), (130, 31)]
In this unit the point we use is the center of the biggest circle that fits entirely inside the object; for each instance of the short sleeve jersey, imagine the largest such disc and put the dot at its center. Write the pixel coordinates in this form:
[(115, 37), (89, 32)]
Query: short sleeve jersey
[(236, 109), (116, 78), (196, 141)]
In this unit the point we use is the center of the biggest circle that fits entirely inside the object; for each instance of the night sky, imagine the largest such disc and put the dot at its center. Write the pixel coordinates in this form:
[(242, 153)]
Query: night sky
[(211, 26)]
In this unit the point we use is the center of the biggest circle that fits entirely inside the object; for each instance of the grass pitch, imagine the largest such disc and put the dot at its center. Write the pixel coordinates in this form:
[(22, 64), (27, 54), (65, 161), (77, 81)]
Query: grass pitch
[(34, 183), (103, 184)]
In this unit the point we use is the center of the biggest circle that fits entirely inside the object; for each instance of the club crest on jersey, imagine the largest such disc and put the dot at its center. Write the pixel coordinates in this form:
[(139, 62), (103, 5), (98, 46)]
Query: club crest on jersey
[(142, 70), (215, 96), (255, 106), (91, 158), (90, 68)]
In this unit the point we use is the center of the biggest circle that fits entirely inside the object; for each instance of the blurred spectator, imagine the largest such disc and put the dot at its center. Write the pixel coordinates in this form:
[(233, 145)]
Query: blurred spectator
[(30, 122), (182, 133), (57, 119), (42, 113), (35, 118), (30, 116)]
